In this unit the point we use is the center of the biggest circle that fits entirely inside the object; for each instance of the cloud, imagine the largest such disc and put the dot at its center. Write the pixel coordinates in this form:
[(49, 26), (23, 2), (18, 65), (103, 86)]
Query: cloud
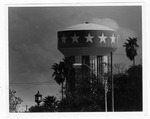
[(123, 33)]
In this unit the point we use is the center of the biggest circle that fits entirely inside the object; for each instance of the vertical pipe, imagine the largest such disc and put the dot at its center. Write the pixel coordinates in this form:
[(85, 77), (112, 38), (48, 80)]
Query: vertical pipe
[(105, 93), (38, 104), (112, 81), (98, 68), (26, 108), (101, 80), (82, 60)]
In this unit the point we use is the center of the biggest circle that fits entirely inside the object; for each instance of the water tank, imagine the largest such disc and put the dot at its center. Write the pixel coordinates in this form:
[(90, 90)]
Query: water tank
[(87, 39)]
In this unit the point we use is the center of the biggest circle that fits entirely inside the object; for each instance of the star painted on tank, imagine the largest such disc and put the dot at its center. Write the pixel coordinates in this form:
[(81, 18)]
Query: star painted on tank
[(113, 39), (89, 38), (75, 38), (63, 39), (102, 38)]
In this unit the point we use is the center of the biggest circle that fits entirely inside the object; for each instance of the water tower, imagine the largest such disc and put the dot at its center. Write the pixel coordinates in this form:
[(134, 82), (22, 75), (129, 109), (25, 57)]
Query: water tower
[(91, 45)]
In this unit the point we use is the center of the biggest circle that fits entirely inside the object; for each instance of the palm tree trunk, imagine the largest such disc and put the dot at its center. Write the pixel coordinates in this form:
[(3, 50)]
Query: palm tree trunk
[(62, 89), (133, 61), (66, 87)]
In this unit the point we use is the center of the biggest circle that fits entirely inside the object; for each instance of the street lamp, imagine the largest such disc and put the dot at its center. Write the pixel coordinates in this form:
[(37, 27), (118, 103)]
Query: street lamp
[(80, 64), (38, 98)]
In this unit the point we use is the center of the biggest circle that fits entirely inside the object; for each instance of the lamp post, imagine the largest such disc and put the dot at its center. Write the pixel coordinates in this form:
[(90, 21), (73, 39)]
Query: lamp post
[(105, 81), (38, 98)]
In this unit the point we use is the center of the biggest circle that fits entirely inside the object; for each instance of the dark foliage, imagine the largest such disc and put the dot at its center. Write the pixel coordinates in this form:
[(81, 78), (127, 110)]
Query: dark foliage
[(87, 97), (50, 104), (128, 90), (36, 109)]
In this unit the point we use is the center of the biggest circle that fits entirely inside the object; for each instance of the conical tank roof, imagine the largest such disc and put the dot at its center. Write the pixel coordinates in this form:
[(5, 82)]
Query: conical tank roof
[(88, 26)]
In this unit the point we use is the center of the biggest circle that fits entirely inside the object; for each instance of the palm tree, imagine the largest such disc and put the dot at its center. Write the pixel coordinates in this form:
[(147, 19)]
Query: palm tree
[(50, 104), (63, 72), (130, 48), (69, 72), (58, 74)]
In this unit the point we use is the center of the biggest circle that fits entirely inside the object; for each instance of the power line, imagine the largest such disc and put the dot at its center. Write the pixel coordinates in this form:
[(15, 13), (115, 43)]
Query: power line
[(125, 54), (31, 83), (24, 89)]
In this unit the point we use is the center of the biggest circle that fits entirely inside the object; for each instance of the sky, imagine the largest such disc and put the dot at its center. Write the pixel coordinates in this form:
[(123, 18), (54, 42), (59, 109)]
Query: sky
[(33, 42)]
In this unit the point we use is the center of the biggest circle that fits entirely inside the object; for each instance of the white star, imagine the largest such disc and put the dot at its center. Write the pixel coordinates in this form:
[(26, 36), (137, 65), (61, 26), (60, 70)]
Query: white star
[(89, 38), (102, 37), (113, 39), (63, 39), (75, 38)]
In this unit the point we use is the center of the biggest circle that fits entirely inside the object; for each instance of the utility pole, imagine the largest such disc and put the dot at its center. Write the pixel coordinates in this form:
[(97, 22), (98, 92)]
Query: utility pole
[(106, 93), (112, 81)]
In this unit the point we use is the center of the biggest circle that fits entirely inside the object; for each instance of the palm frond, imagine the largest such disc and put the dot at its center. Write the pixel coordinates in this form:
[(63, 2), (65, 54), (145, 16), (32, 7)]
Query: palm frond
[(130, 47)]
